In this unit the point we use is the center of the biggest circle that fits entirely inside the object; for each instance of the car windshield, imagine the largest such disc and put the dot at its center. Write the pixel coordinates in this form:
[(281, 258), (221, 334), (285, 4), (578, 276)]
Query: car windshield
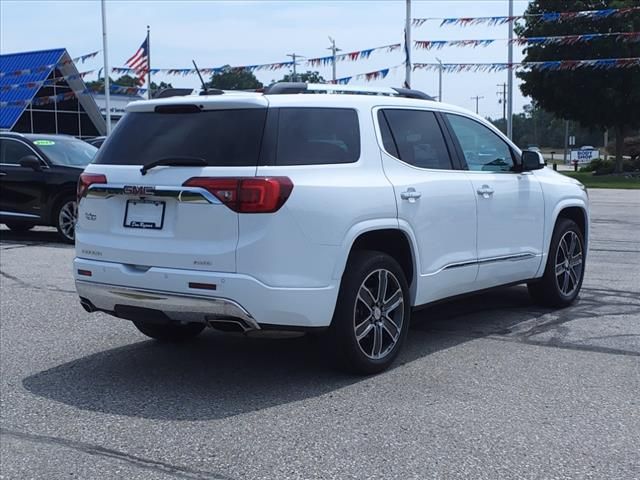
[(69, 152)]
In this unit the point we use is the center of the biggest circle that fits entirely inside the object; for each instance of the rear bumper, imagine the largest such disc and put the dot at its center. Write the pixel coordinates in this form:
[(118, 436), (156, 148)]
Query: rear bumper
[(236, 296), (180, 308)]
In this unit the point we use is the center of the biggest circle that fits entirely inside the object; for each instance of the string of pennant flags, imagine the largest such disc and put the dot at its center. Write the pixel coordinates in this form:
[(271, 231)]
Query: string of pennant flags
[(369, 76), (553, 65), (61, 97), (351, 56), (43, 68), (543, 17), (625, 37), (50, 81)]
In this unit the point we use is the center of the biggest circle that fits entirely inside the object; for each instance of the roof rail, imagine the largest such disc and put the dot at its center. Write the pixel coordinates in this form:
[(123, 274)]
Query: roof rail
[(282, 88)]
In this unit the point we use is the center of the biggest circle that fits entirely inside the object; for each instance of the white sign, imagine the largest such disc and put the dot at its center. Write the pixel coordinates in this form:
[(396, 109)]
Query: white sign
[(572, 140), (584, 156)]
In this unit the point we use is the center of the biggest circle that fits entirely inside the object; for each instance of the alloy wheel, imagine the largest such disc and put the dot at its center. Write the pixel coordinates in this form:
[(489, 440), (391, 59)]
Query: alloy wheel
[(378, 314), (568, 263), (67, 219)]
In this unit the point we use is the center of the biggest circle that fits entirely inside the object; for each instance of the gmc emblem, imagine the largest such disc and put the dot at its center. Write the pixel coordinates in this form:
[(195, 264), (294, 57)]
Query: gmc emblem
[(141, 190)]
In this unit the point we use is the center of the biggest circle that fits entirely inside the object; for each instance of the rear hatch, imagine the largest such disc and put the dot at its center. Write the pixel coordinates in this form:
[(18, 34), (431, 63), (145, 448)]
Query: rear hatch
[(175, 212)]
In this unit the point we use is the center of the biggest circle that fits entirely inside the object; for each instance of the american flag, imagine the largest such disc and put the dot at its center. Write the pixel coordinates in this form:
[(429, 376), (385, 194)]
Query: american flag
[(139, 62)]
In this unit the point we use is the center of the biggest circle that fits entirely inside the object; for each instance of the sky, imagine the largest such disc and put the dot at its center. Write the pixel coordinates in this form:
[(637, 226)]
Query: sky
[(215, 33)]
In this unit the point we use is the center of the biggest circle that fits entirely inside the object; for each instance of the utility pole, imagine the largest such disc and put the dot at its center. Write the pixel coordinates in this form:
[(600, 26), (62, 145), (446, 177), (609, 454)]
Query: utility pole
[(333, 49), (439, 79), (510, 74), (294, 57), (503, 99), (476, 98), (407, 45)]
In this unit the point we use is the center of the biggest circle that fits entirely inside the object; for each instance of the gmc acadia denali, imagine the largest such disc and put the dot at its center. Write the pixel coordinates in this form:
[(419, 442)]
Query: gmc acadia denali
[(312, 207)]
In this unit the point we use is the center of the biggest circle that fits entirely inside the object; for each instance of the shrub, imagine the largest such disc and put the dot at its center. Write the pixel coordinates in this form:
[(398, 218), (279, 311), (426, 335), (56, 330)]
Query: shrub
[(600, 166)]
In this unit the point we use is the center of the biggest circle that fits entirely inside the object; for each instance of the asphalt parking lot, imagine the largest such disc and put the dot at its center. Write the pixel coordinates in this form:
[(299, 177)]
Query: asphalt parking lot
[(489, 387)]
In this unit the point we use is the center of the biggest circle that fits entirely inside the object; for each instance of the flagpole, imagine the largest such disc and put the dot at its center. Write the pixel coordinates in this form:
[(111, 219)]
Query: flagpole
[(148, 63), (407, 45), (107, 99)]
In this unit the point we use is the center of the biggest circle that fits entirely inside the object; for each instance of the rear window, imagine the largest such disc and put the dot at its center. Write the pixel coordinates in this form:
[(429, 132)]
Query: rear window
[(228, 138), (313, 136)]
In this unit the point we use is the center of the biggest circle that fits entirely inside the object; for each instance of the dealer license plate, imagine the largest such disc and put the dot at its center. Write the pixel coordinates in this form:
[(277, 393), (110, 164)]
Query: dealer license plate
[(144, 214)]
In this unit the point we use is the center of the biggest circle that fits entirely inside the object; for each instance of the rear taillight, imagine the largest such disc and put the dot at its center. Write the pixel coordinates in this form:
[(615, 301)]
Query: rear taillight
[(88, 179), (247, 195)]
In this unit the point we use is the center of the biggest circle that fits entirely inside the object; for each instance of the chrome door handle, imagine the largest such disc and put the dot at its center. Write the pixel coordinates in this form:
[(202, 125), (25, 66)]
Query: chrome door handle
[(410, 194), (485, 190), (2, 174)]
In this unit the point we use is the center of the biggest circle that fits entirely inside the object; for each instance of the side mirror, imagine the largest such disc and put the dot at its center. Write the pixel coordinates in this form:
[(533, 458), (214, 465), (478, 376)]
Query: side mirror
[(31, 161), (532, 160)]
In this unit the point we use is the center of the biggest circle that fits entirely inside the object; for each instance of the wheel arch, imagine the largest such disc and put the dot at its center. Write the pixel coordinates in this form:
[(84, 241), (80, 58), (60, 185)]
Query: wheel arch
[(63, 191), (574, 210), (388, 237)]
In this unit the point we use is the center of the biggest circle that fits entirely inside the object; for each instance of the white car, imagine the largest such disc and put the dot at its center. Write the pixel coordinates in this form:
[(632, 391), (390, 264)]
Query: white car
[(317, 207)]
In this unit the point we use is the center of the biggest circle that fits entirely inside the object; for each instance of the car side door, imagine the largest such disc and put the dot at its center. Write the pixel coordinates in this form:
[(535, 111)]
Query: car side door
[(434, 198), (510, 204), (22, 189)]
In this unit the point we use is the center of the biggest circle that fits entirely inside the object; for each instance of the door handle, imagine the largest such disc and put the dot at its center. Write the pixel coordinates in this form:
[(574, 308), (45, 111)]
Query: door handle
[(485, 190), (410, 194), (2, 174)]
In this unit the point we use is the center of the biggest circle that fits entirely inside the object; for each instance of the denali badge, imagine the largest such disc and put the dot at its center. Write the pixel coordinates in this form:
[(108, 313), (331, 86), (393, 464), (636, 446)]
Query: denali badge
[(90, 216), (139, 190)]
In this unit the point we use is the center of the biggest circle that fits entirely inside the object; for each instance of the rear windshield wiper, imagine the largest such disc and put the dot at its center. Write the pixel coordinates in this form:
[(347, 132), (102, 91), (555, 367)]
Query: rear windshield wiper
[(174, 161)]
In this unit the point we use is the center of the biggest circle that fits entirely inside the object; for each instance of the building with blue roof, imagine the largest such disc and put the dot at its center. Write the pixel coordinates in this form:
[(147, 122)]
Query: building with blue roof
[(43, 92)]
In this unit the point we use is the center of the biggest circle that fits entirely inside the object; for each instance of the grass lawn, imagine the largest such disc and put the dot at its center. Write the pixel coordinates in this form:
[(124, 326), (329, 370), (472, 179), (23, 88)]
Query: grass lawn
[(604, 181)]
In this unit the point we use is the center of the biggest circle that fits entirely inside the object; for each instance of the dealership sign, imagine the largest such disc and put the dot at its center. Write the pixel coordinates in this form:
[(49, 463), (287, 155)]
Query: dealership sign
[(584, 156)]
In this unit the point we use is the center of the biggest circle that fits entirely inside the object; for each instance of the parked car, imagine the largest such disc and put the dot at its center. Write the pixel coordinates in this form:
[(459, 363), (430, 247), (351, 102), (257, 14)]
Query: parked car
[(38, 180), (339, 212), (96, 141)]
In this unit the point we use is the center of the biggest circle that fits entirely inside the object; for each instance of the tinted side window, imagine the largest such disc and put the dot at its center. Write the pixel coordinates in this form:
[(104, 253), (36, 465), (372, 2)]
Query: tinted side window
[(11, 151), (419, 139), (313, 136), (483, 150), (221, 137)]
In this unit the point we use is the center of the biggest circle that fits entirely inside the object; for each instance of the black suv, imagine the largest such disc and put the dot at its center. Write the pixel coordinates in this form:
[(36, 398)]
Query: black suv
[(38, 178)]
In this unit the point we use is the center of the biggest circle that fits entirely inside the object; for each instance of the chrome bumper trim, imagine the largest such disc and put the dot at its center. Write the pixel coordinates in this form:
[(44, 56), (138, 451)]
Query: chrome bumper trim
[(178, 307)]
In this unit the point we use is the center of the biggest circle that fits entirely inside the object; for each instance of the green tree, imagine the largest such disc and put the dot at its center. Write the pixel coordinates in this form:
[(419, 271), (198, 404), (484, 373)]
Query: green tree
[(234, 79), (595, 98), (307, 77)]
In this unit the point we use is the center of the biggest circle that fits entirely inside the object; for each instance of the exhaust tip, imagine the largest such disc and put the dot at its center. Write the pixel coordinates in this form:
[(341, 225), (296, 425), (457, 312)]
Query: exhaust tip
[(229, 325), (87, 305)]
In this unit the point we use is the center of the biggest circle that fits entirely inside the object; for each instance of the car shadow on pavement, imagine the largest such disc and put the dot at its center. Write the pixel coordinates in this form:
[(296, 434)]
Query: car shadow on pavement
[(217, 375), (39, 235)]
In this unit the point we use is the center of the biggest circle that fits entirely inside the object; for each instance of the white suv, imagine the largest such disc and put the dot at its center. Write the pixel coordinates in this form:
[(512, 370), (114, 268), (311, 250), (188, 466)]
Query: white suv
[(314, 207)]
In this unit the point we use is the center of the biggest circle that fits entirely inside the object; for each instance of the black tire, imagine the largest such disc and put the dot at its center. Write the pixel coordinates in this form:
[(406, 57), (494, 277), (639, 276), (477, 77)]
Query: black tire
[(60, 218), (550, 290), (19, 227), (170, 332), (364, 270)]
